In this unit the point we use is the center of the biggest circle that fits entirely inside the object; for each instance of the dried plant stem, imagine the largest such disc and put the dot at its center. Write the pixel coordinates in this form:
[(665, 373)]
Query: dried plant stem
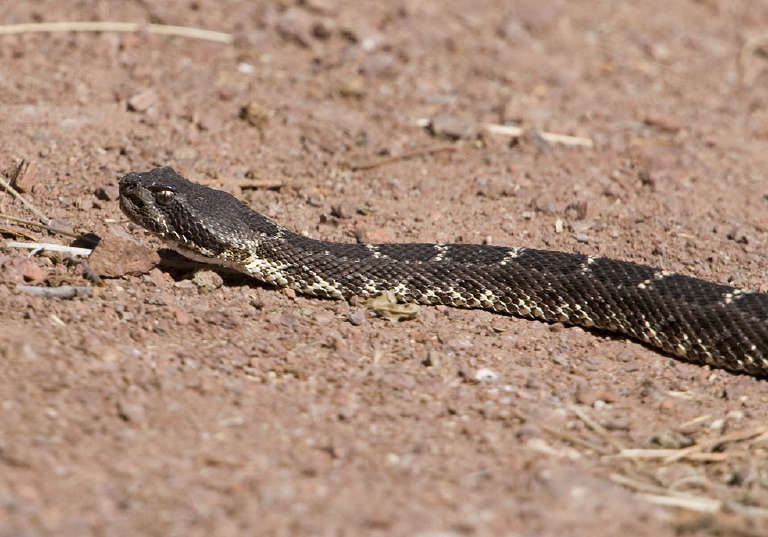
[(100, 26)]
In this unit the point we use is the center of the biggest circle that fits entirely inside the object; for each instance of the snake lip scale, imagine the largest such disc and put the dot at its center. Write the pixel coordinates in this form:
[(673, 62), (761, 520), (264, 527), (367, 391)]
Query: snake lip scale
[(691, 319)]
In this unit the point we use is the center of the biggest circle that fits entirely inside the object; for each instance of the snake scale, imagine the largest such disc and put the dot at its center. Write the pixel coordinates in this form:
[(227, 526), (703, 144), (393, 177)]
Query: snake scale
[(692, 319)]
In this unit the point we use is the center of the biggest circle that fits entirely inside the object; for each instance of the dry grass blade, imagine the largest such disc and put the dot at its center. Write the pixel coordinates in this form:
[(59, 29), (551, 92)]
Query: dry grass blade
[(562, 139), (596, 427), (666, 453), (693, 503), (562, 435), (514, 132), (736, 436), (662, 496), (99, 26)]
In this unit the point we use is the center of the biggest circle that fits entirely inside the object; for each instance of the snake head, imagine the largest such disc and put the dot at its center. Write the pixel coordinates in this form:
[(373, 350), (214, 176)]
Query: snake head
[(197, 221), (155, 200)]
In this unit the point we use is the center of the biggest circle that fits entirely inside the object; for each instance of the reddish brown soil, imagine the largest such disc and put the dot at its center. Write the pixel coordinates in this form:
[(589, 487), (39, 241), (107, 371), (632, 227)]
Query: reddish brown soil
[(162, 406)]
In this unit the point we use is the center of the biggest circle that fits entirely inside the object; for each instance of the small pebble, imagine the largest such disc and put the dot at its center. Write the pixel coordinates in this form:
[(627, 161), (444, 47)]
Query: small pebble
[(486, 375), (380, 64), (453, 127), (352, 87), (287, 291), (433, 359), (323, 28), (495, 187), (378, 236), (30, 175), (342, 210), (182, 317), (221, 317), (255, 114), (107, 192), (132, 412), (667, 123), (31, 272), (207, 280), (140, 102), (355, 317), (296, 25)]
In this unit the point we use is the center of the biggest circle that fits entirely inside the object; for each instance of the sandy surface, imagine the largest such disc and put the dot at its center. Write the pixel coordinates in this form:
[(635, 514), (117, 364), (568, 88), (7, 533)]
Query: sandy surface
[(174, 404)]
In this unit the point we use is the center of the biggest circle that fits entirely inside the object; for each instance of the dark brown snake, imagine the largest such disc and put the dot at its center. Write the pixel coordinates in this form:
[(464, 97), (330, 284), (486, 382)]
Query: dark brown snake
[(691, 319)]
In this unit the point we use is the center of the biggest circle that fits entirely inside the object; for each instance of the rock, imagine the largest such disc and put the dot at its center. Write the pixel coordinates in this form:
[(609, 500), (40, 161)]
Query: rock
[(255, 114), (387, 307), (342, 210), (288, 292), (486, 375), (352, 88), (129, 411), (30, 174), (368, 38), (663, 122), (495, 187), (380, 64), (323, 28), (325, 7), (379, 236), (453, 127), (116, 256), (207, 280), (221, 317), (355, 317), (182, 317), (539, 17), (296, 25), (140, 102), (31, 272), (107, 192)]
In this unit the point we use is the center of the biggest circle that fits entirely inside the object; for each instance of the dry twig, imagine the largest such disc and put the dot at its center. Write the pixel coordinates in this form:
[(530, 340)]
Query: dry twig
[(563, 435), (42, 246), (103, 26), (268, 184), (404, 156)]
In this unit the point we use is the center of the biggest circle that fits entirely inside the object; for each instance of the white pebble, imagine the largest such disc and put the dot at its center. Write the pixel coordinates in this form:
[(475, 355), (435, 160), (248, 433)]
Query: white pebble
[(486, 375)]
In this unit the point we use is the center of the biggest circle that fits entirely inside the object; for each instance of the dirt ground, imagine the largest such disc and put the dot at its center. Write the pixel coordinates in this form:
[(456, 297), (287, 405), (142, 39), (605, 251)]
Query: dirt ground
[(170, 402)]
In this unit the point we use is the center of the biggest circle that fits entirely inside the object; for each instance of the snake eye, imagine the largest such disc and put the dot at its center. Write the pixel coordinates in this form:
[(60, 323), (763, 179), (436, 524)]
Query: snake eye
[(164, 197)]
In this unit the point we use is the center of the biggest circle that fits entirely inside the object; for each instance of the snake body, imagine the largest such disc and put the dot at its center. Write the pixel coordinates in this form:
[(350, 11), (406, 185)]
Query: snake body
[(692, 319)]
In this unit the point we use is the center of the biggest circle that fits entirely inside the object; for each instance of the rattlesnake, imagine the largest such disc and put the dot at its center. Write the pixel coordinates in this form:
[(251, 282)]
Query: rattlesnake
[(692, 319)]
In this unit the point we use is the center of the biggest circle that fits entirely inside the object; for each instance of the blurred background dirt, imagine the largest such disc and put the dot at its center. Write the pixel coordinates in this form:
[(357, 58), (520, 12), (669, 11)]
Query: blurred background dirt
[(175, 403)]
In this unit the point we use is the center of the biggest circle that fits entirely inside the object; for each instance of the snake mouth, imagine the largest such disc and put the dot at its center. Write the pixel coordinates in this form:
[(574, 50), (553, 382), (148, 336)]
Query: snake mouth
[(130, 200), (136, 202)]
